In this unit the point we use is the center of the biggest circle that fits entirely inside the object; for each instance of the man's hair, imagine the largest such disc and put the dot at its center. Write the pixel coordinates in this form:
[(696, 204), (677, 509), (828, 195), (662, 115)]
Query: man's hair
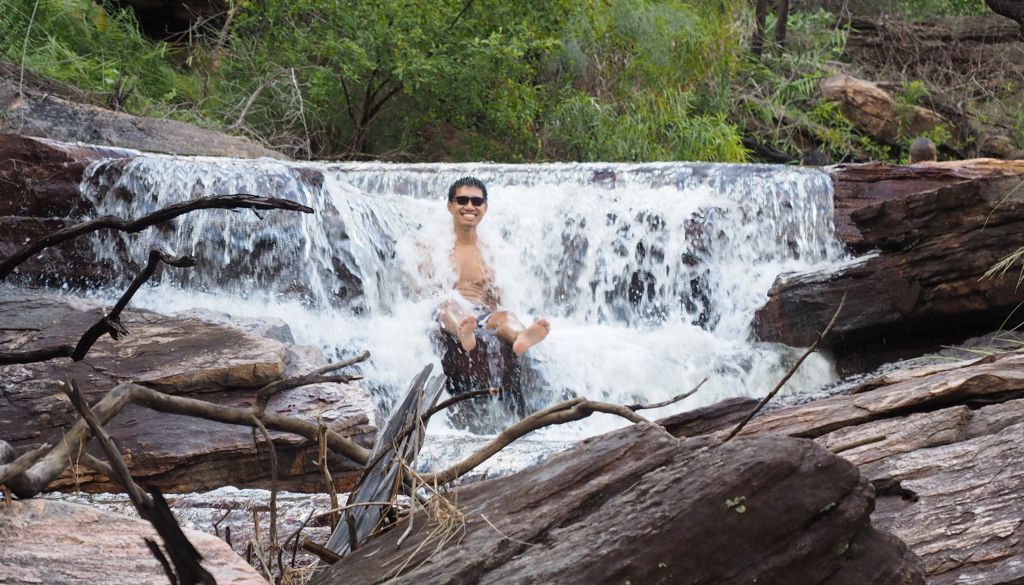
[(467, 182)]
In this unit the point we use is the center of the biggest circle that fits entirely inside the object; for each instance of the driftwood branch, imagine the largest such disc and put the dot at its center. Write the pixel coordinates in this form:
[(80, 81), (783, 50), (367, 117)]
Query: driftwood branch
[(322, 552), (757, 408), (22, 463), (33, 480), (459, 398), (109, 323), (264, 394), (183, 556), (240, 201), (670, 401), (563, 412), (140, 500)]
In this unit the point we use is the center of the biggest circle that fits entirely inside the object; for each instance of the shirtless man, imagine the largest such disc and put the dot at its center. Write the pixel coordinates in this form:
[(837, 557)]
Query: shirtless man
[(467, 202)]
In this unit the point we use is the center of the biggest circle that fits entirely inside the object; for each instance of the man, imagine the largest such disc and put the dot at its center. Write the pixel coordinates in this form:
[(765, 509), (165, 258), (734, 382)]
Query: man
[(467, 202)]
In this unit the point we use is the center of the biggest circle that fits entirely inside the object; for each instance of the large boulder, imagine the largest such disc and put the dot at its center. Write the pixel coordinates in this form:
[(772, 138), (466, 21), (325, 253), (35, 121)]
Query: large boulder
[(59, 543), (934, 229), (944, 447), (181, 356), (639, 506), (872, 110)]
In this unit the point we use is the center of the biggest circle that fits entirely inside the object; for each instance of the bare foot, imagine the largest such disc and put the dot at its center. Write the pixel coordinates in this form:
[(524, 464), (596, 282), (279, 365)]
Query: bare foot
[(467, 333), (531, 336)]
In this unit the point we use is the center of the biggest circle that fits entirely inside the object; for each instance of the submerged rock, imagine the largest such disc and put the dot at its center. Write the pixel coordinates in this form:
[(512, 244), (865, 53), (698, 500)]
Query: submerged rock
[(639, 506)]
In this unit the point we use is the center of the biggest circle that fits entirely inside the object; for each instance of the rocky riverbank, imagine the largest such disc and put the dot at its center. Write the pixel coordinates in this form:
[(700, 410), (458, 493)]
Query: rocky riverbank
[(182, 355)]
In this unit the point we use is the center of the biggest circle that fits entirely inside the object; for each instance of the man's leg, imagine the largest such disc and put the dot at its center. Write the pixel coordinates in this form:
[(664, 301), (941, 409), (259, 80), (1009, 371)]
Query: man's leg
[(457, 322), (510, 330)]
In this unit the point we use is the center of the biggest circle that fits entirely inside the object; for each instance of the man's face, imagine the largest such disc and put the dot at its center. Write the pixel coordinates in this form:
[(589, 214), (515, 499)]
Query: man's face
[(467, 213)]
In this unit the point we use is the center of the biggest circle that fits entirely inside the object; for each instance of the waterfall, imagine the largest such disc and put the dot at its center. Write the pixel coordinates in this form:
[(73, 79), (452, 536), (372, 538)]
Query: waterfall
[(649, 273)]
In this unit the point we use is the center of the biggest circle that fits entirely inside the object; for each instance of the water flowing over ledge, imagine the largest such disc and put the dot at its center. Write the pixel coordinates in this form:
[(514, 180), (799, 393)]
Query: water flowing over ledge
[(650, 273)]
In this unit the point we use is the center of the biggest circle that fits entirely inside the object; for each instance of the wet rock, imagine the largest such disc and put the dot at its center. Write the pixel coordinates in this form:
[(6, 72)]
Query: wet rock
[(657, 510), (936, 228), (31, 113), (179, 356), (58, 543), (39, 182), (944, 447)]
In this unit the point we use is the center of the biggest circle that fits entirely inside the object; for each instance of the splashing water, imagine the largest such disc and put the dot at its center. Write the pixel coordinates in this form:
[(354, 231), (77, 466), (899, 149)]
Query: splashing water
[(650, 274)]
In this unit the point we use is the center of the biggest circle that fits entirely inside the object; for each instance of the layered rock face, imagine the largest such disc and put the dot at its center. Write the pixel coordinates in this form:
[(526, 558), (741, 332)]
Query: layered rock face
[(928, 232), (32, 113), (639, 506), (180, 356), (943, 446)]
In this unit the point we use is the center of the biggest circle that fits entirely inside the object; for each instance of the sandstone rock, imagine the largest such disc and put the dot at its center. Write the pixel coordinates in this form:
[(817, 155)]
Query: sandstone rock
[(58, 543), (33, 114), (873, 110), (944, 447), (937, 228), (637, 506), (999, 146), (179, 356)]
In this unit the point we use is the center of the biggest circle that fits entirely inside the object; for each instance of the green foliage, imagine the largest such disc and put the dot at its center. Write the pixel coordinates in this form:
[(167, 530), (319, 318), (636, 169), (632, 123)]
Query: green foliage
[(95, 49), (925, 9), (912, 95), (779, 96), (629, 80), (651, 126)]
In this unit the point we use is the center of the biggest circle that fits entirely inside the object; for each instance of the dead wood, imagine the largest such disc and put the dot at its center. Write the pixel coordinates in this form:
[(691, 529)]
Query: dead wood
[(670, 401), (239, 201), (563, 412), (263, 395), (184, 557), (757, 408), (322, 552), (110, 323), (22, 463), (35, 479), (383, 476), (273, 481), (459, 398), (117, 466)]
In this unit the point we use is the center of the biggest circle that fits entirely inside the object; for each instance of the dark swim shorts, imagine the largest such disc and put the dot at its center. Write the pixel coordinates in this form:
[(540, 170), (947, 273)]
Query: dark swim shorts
[(482, 314)]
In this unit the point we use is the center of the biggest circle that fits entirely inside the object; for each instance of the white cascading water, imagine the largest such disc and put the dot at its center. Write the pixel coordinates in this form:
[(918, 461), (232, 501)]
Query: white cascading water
[(650, 274)]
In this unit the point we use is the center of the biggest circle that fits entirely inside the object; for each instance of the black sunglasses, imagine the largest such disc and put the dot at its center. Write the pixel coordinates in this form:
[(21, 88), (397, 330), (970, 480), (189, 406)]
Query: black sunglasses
[(464, 200)]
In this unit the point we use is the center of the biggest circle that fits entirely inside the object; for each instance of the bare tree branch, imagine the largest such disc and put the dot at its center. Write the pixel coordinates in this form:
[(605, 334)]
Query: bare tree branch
[(43, 472), (111, 323), (673, 400), (757, 408), (239, 201), (459, 398), (264, 394), (140, 500), (563, 412), (22, 463)]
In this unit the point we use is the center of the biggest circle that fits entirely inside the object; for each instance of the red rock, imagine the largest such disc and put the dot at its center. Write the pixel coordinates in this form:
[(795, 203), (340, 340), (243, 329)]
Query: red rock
[(58, 543)]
